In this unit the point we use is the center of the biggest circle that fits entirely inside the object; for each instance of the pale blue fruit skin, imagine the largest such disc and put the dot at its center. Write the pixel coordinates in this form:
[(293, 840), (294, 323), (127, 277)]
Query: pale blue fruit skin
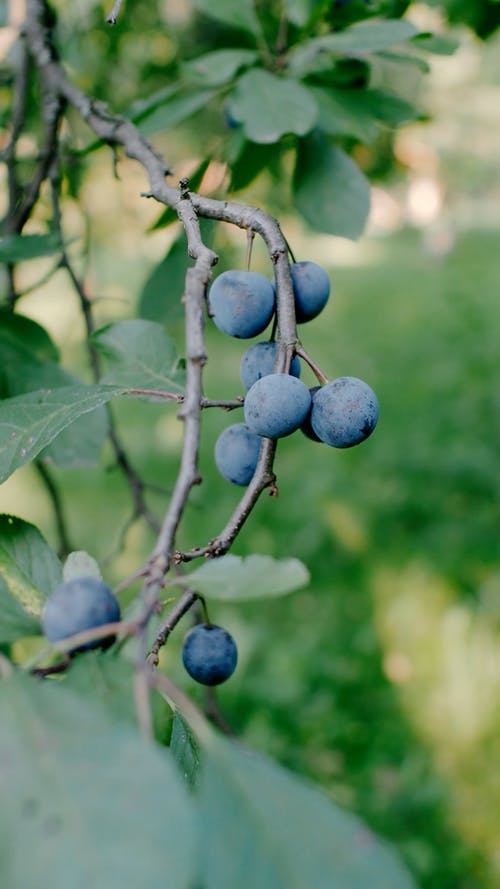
[(209, 654), (77, 605), (237, 452), (277, 405), (311, 286), (344, 412), (241, 303), (259, 360)]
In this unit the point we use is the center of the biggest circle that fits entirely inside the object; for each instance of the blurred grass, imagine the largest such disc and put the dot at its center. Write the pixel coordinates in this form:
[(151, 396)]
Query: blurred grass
[(381, 681)]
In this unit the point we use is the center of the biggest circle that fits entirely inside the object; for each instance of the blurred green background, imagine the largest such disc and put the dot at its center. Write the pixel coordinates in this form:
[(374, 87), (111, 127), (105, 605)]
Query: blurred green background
[(381, 681)]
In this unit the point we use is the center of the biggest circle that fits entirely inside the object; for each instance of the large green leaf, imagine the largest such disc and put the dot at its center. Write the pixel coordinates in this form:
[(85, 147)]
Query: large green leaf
[(282, 832), (358, 112), (15, 248), (330, 190), (220, 66), (240, 14), (269, 106), (91, 804), (28, 423), (254, 577), (140, 354), (29, 568)]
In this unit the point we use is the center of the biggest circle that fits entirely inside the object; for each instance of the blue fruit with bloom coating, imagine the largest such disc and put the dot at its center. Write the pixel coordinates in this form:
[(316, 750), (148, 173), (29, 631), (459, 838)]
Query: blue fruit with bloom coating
[(237, 452), (276, 405), (209, 654), (77, 605), (344, 412), (306, 427), (259, 360), (311, 286), (241, 303)]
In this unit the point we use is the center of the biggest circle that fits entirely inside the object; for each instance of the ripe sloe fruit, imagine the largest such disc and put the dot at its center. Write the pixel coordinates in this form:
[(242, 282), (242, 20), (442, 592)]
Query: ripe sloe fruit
[(311, 286), (259, 360), (276, 405), (237, 452), (306, 427), (209, 654), (77, 605), (344, 412), (241, 303)]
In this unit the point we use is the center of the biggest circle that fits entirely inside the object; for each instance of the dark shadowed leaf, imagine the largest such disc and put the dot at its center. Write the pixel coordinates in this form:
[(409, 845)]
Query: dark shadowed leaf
[(284, 833), (28, 565), (253, 577), (330, 190), (140, 354), (28, 423), (27, 334), (269, 106), (358, 113), (91, 804)]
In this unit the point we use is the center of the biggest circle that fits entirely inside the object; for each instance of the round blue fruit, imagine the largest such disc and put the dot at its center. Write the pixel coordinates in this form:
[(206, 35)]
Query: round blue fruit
[(259, 360), (241, 303), (276, 405), (209, 654), (306, 426), (344, 412), (311, 286), (77, 605), (237, 452)]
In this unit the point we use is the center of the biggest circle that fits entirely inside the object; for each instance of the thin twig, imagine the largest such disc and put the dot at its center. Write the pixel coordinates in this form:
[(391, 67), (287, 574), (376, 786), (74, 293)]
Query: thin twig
[(301, 352), (45, 474), (175, 614), (115, 12)]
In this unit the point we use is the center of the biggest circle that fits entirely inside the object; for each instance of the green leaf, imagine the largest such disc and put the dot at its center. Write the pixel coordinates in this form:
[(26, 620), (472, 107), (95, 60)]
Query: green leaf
[(140, 354), (107, 681), (287, 833), (25, 333), (254, 577), (15, 248), (28, 423), (439, 44), (330, 191), (21, 372), (29, 568), (161, 297), (361, 38), (220, 66), (269, 106), (240, 14), (15, 622), (173, 112), (91, 803), (358, 112), (185, 750), (80, 564), (300, 11)]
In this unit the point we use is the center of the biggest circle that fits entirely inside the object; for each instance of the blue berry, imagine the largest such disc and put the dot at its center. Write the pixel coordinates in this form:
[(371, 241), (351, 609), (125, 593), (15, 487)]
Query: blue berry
[(311, 286), (237, 452), (209, 654), (306, 427), (276, 405), (259, 360), (77, 605), (241, 303), (344, 412)]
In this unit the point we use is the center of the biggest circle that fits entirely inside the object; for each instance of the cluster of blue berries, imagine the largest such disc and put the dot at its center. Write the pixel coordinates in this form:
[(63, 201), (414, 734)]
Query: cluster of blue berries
[(341, 413)]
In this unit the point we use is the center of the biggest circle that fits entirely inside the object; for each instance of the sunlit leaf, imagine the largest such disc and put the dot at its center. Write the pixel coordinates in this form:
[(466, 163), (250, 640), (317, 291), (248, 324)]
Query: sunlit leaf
[(29, 571), (254, 577), (239, 15), (220, 66)]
